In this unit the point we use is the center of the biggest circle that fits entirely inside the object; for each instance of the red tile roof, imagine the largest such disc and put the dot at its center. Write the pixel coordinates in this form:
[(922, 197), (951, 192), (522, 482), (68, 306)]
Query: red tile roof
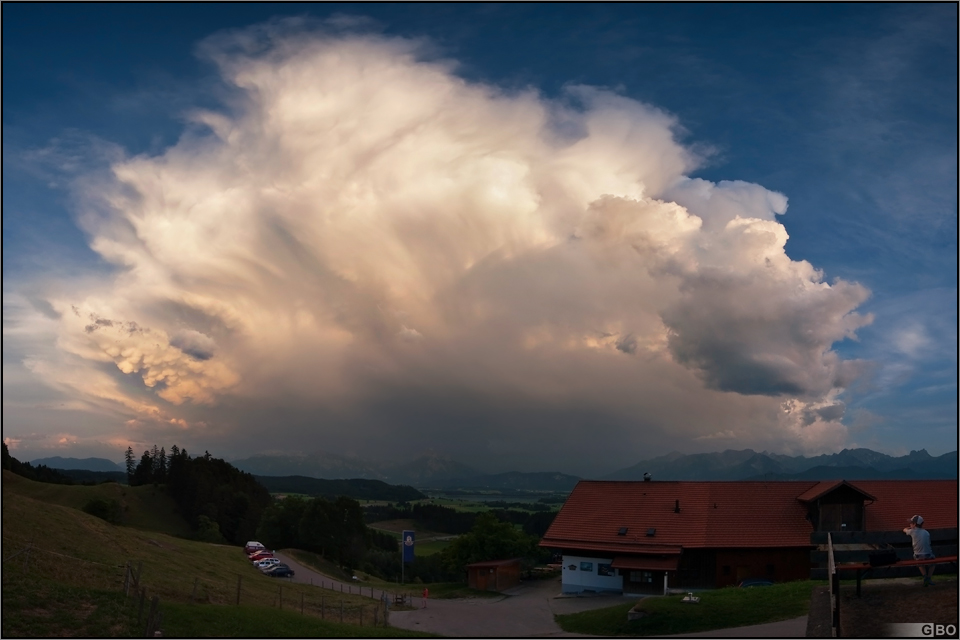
[(823, 488), (728, 514), (898, 500)]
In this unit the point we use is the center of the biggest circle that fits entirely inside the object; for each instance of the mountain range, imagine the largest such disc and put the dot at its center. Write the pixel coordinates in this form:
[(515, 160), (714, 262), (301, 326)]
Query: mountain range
[(747, 464), (436, 471)]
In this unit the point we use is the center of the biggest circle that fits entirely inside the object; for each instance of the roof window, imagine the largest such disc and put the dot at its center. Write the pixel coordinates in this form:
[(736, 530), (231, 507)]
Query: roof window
[(652, 531), (622, 531)]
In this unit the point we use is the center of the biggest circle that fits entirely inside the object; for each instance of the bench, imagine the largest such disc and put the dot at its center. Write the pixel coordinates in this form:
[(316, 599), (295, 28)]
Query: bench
[(852, 550)]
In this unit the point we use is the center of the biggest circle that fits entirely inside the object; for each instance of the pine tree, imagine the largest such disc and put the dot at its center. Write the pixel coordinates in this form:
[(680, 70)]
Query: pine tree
[(162, 467), (143, 474), (131, 464)]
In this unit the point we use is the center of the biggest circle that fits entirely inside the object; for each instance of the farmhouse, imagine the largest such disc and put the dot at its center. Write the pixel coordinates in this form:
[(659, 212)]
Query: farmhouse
[(641, 537)]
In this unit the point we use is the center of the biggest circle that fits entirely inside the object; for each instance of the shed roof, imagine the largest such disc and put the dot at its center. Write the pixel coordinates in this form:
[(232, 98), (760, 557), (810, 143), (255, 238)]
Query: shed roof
[(728, 514), (489, 564)]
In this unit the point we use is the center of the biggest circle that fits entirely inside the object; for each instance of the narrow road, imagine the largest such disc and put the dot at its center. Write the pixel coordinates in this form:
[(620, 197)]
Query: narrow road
[(306, 575), (524, 611)]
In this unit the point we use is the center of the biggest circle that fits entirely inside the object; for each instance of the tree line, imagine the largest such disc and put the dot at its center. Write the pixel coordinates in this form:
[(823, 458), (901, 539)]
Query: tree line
[(222, 503), (446, 520), (39, 473)]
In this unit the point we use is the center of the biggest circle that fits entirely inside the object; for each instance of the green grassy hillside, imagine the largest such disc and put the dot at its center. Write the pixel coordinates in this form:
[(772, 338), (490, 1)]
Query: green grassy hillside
[(145, 507), (63, 572)]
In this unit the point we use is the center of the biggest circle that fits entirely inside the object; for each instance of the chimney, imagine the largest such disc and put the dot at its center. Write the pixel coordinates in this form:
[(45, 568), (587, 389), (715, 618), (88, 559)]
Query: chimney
[(676, 507), (646, 477)]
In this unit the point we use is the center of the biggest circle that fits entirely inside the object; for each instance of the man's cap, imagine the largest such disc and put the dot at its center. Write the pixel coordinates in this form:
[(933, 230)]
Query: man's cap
[(916, 520)]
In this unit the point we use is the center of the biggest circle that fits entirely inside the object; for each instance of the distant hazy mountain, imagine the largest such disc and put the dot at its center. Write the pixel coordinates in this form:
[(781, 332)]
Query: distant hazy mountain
[(850, 464), (86, 464), (429, 470)]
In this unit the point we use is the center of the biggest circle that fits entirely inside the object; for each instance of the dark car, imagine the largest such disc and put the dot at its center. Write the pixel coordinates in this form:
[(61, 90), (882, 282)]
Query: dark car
[(280, 571), (755, 582)]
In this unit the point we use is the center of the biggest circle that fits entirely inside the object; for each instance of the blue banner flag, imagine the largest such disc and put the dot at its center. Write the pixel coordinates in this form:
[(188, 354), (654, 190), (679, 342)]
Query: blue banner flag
[(407, 544)]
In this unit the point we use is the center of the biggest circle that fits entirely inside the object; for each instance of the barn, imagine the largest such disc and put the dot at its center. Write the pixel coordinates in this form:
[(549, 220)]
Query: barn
[(643, 537)]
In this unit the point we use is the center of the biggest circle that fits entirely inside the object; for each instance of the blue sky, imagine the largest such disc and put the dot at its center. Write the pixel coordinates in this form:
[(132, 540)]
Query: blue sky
[(849, 111)]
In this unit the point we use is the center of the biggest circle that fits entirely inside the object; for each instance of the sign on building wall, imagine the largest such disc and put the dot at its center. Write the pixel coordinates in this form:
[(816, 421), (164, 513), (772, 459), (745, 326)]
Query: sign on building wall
[(408, 542)]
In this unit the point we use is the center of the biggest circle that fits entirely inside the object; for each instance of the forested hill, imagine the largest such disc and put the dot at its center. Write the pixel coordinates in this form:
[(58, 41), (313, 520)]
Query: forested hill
[(358, 488)]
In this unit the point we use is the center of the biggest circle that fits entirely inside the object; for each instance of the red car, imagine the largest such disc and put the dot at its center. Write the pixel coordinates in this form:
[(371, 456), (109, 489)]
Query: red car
[(260, 555), (253, 547)]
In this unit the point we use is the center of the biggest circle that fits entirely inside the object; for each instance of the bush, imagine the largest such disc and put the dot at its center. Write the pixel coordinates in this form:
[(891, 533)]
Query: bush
[(209, 531), (109, 510)]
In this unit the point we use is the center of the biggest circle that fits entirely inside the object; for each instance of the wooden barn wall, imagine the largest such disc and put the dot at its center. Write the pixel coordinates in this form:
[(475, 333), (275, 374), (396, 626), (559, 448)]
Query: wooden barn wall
[(778, 565)]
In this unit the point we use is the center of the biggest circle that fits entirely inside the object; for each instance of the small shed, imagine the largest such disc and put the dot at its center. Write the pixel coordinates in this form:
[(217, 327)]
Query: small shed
[(494, 575)]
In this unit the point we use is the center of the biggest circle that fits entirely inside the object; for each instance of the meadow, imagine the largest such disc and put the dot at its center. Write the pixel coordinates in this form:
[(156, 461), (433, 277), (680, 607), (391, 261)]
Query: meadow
[(718, 609), (64, 573)]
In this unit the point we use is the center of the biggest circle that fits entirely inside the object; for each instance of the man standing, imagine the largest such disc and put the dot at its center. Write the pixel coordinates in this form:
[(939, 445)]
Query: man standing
[(921, 547)]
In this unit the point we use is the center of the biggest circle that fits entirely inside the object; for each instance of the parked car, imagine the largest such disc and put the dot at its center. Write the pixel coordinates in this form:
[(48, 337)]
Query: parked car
[(257, 560), (267, 562), (279, 571), (252, 547), (260, 555)]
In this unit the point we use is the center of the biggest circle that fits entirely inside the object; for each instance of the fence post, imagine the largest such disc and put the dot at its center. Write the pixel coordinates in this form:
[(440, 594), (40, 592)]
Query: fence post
[(239, 580), (193, 596), (143, 595), (148, 632), (301, 603), (834, 589), (341, 610), (139, 574), (126, 581)]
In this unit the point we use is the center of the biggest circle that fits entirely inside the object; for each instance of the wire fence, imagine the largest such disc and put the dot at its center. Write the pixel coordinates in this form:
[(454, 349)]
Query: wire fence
[(331, 601)]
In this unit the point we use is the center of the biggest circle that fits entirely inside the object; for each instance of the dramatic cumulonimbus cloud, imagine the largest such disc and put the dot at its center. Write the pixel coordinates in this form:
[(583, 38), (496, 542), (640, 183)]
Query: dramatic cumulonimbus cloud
[(364, 234)]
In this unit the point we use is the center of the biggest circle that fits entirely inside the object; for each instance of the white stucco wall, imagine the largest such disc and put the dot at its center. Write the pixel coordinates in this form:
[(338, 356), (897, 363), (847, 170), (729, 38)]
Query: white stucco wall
[(577, 580)]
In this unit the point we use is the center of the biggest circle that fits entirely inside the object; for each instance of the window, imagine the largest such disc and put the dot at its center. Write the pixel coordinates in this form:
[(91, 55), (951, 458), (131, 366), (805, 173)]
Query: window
[(725, 570), (586, 566), (604, 570)]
